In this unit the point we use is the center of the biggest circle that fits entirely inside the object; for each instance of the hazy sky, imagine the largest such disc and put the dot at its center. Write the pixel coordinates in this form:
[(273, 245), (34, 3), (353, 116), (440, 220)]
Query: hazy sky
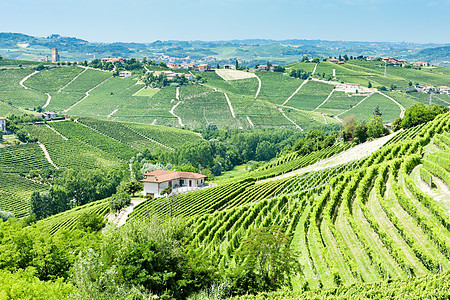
[(150, 20)]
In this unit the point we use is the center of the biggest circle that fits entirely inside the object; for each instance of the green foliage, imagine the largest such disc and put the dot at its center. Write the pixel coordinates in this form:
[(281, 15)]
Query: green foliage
[(421, 113), (268, 262), (119, 201), (23, 284), (91, 223)]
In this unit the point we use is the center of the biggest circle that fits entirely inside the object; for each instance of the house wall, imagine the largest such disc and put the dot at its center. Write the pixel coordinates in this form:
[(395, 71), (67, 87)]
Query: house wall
[(3, 125), (151, 188)]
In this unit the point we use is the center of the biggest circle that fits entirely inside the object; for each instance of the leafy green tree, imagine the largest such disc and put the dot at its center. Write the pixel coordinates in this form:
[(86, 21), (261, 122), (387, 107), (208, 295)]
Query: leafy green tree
[(133, 187), (166, 191), (420, 113), (375, 127), (119, 201), (376, 111), (91, 222), (369, 85), (267, 259), (360, 133)]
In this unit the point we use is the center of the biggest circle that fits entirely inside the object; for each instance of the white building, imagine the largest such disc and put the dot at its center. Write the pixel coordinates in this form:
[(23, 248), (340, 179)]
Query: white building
[(156, 181), (125, 74), (2, 124), (444, 90), (49, 115)]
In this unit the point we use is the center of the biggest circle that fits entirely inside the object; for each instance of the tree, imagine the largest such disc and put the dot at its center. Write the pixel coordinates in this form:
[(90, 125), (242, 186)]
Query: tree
[(236, 64), (410, 83), (267, 259), (345, 57), (90, 222), (316, 60), (375, 127), (360, 133), (132, 187), (348, 125), (369, 85), (377, 112)]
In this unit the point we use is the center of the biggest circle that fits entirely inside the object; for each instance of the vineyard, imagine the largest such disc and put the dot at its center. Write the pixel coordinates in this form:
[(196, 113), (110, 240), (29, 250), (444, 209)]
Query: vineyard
[(364, 221), (68, 220)]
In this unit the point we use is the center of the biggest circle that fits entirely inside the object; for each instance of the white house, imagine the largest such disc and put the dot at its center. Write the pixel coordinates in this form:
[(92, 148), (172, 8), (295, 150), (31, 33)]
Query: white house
[(125, 74), (156, 181), (2, 124)]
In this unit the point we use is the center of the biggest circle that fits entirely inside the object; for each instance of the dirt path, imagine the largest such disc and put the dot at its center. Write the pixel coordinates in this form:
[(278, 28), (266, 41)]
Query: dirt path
[(49, 97), (171, 111), (250, 121), (87, 95), (120, 218), (143, 88), (25, 78), (59, 91), (296, 91), (150, 139), (259, 86), (325, 81), (325, 119), (290, 120), (402, 109), (47, 155), (364, 99), (56, 131), (324, 101), (314, 71), (112, 113), (358, 152), (229, 104)]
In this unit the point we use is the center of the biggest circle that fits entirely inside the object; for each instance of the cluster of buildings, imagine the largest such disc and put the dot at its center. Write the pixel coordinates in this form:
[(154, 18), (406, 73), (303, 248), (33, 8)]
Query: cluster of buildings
[(193, 67), (125, 74), (113, 60), (48, 115), (266, 68), (444, 90), (172, 75), (156, 181)]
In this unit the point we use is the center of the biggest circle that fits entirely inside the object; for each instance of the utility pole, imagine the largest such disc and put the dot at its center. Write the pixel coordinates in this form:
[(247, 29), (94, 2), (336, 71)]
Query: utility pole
[(431, 95), (385, 69)]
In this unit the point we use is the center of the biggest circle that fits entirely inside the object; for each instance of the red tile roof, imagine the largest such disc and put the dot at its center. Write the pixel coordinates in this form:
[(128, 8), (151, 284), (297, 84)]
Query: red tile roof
[(164, 175)]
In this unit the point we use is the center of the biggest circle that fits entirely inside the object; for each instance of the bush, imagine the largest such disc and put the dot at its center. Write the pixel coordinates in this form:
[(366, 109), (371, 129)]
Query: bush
[(119, 201)]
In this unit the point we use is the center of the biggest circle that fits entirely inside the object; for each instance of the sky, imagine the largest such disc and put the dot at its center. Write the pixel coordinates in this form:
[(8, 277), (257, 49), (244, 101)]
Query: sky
[(422, 21)]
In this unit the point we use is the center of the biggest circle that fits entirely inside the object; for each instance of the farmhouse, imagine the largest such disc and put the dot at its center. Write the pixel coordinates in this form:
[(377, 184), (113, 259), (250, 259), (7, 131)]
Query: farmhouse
[(155, 181), (49, 115), (173, 66), (125, 74), (204, 67), (262, 67), (391, 60), (334, 60), (2, 124), (421, 64), (426, 88), (113, 60), (370, 58), (229, 67)]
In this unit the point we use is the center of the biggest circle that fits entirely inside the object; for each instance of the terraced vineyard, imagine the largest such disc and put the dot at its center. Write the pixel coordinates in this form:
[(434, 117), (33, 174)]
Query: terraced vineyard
[(363, 221), (68, 220)]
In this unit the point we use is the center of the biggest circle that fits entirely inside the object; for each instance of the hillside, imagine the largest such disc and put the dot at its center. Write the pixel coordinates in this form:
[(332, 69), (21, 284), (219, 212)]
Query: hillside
[(247, 100), (250, 52), (355, 221), (360, 221)]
